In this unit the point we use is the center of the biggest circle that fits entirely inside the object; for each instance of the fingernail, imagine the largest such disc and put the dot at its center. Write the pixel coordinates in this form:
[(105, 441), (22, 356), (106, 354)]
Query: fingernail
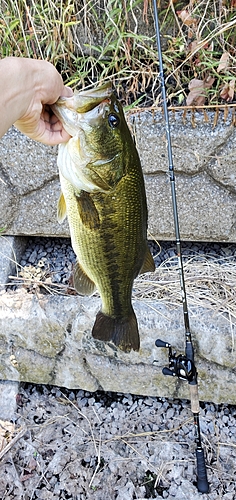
[(68, 92)]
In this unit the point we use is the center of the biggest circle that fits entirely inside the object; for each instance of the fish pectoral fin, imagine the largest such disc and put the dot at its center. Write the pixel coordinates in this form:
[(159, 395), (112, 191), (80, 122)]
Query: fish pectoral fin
[(61, 209), (98, 181), (148, 263), (87, 211), (82, 283)]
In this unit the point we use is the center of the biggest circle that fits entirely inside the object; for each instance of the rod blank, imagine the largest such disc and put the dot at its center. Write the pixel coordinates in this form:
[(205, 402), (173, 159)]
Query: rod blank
[(202, 482)]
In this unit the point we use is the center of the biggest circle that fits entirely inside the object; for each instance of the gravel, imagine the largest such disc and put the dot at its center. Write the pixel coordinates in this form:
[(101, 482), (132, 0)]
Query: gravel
[(80, 446)]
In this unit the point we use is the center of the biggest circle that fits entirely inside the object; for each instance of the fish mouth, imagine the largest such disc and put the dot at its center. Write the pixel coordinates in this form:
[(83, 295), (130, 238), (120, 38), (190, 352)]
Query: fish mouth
[(84, 109), (86, 100), (75, 122)]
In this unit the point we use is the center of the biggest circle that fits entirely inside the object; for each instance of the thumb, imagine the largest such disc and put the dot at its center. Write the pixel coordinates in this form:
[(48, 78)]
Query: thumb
[(67, 92)]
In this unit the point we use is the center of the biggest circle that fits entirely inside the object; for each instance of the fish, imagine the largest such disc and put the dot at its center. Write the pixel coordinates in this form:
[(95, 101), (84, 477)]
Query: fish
[(103, 196), (85, 100)]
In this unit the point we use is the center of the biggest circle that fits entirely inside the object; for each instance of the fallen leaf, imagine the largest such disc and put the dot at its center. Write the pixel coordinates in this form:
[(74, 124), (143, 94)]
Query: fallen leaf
[(186, 18), (231, 89), (227, 92), (197, 94), (25, 477), (6, 432), (6, 428), (224, 62), (31, 465), (192, 45), (224, 92), (209, 46)]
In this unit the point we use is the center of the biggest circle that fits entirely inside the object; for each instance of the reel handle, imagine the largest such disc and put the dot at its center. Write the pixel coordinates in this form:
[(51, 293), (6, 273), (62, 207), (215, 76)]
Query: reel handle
[(161, 343), (167, 371)]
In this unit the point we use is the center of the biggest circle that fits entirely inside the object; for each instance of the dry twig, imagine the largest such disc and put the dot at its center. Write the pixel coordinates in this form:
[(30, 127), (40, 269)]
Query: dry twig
[(18, 436)]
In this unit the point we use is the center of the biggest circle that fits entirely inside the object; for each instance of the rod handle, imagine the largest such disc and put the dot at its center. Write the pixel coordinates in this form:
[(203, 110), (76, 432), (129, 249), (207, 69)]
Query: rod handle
[(202, 482), (195, 407)]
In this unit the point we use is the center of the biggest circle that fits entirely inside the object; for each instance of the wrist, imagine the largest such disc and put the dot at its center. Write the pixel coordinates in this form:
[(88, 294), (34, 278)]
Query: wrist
[(17, 79)]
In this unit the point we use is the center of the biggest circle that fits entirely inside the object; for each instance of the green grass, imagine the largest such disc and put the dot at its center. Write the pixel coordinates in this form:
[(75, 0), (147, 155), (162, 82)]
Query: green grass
[(91, 40)]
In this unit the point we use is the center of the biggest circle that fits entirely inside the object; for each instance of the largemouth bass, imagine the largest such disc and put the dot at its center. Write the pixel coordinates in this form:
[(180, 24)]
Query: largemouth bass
[(103, 196)]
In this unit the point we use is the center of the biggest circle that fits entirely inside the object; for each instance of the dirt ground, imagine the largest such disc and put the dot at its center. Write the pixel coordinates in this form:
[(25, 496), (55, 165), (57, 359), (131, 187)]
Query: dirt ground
[(77, 445)]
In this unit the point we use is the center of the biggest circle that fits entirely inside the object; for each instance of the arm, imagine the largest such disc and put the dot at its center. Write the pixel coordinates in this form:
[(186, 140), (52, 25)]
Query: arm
[(27, 87)]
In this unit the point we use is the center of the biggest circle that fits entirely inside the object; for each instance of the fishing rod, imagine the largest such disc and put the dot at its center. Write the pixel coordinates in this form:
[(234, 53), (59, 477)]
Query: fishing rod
[(181, 366)]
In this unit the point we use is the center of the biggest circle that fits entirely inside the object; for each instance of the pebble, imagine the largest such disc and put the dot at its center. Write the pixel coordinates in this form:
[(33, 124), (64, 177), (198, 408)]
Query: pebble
[(33, 257), (133, 407), (170, 413), (56, 257)]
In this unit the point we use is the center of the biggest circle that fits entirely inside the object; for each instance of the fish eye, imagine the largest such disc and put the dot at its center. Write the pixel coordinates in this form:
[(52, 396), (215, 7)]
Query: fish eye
[(113, 120)]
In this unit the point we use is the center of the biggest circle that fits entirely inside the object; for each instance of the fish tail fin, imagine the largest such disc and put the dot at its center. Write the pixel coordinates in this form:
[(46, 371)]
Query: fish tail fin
[(123, 332)]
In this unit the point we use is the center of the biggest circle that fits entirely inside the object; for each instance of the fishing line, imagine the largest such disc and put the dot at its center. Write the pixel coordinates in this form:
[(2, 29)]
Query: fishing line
[(181, 366)]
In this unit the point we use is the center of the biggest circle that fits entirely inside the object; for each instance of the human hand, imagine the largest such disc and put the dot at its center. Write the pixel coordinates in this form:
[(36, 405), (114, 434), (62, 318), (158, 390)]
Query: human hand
[(39, 122), (27, 88), (43, 126)]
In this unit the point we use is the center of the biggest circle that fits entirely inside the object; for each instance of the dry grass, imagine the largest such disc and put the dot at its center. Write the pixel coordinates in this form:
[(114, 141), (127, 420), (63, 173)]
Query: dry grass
[(210, 283), (9, 436)]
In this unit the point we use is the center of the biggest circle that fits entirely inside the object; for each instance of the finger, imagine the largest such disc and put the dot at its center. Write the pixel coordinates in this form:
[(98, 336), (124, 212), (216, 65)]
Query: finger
[(67, 92), (54, 137), (47, 114), (56, 125)]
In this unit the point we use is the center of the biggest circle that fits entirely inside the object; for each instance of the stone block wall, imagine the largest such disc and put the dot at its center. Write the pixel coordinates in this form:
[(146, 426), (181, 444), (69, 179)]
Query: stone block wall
[(47, 339), (205, 171)]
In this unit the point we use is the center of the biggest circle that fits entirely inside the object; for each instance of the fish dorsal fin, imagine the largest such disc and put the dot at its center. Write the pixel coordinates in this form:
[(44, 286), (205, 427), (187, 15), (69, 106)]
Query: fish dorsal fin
[(82, 283), (61, 209), (87, 211), (148, 263)]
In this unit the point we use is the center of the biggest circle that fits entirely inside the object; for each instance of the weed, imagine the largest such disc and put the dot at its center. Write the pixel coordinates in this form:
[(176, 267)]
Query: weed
[(152, 489), (90, 41)]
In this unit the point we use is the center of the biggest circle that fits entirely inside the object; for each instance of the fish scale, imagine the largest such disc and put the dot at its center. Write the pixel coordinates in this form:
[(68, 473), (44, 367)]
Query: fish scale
[(121, 256), (107, 216)]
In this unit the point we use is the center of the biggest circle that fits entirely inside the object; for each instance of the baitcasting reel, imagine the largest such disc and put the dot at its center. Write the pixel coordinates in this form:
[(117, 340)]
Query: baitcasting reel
[(180, 366)]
